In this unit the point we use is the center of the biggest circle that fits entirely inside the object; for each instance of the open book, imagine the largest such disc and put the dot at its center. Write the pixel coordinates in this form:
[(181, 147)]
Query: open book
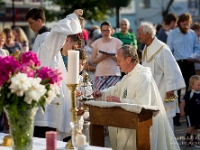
[(106, 53)]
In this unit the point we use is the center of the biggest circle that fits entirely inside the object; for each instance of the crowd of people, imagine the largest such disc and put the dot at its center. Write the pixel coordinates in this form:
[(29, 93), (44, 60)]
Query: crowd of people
[(148, 69)]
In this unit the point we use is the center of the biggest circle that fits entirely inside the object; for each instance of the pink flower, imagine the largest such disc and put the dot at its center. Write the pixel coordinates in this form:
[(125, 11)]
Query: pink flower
[(7, 67), (54, 76), (30, 59), (27, 70)]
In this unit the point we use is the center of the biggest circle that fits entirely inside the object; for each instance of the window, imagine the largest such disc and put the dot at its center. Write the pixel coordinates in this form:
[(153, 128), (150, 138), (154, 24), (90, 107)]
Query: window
[(146, 3)]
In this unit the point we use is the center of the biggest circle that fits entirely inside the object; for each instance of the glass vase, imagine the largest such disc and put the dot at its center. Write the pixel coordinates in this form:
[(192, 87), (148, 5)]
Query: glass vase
[(21, 123), (80, 134)]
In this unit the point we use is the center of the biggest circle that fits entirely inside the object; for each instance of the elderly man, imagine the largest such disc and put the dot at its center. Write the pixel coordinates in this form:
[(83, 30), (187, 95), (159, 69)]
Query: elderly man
[(164, 68), (138, 87)]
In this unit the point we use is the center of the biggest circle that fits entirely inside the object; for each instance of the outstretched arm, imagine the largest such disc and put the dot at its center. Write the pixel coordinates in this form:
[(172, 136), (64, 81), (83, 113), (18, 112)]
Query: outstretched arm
[(58, 34)]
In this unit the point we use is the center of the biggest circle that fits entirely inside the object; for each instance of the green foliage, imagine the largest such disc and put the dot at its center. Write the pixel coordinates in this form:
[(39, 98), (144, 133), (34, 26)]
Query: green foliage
[(93, 10)]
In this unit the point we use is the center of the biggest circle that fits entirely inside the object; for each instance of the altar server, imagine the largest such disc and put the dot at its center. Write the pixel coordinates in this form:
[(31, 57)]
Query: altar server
[(164, 68), (57, 115), (36, 20), (138, 87)]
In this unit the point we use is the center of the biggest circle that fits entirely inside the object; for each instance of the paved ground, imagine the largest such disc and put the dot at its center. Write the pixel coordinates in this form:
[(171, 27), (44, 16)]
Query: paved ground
[(179, 132)]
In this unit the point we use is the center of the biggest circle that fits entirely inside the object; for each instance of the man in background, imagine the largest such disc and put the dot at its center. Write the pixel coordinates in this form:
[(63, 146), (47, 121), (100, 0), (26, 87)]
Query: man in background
[(184, 43), (170, 22), (196, 27)]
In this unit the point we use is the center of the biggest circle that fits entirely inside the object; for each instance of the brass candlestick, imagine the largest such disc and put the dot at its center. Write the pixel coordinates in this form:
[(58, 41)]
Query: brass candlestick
[(73, 110), (7, 141)]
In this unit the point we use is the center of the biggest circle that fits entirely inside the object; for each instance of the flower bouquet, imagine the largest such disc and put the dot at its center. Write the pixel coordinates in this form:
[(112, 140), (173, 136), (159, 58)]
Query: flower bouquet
[(25, 86)]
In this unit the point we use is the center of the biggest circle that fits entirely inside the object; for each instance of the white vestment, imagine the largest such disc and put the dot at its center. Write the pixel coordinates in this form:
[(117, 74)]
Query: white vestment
[(165, 71), (57, 116), (139, 87), (38, 41)]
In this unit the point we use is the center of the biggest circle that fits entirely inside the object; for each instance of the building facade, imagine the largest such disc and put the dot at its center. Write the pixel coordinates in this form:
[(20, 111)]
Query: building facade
[(151, 10)]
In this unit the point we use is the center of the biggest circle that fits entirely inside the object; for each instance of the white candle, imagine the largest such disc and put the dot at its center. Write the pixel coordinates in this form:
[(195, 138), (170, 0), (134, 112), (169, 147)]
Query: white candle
[(86, 115), (80, 140), (73, 67)]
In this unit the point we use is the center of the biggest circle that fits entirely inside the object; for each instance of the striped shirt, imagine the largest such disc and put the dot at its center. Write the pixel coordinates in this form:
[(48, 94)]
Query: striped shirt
[(129, 38)]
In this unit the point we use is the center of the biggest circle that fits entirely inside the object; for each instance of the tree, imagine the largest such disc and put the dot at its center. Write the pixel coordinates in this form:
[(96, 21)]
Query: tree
[(166, 10), (94, 10)]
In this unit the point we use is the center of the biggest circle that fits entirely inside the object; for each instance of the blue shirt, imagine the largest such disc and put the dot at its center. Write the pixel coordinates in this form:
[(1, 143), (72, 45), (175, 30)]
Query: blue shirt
[(162, 35), (65, 59), (183, 45)]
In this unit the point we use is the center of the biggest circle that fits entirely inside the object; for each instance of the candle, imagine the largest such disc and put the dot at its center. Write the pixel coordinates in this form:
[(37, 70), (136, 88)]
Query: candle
[(73, 67), (86, 115), (80, 140), (51, 140)]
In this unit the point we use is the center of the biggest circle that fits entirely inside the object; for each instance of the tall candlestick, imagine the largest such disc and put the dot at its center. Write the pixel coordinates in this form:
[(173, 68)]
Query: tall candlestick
[(51, 140), (73, 67)]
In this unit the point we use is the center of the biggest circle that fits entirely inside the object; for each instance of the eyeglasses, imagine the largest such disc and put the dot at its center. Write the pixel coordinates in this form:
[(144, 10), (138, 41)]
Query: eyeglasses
[(105, 30)]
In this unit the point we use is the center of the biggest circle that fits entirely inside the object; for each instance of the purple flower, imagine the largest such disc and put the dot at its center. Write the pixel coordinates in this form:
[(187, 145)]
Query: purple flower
[(54, 75), (30, 59)]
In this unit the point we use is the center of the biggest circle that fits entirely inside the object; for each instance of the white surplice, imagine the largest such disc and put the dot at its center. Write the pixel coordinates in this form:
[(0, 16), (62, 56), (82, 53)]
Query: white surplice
[(38, 41), (57, 116), (139, 87), (165, 71)]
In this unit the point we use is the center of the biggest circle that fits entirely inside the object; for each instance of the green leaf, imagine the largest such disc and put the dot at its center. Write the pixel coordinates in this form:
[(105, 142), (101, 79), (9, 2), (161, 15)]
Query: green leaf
[(45, 81), (93, 10)]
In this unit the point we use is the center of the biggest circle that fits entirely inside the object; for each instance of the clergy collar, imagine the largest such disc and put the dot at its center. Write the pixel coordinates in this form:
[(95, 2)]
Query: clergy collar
[(43, 30), (151, 50), (138, 69)]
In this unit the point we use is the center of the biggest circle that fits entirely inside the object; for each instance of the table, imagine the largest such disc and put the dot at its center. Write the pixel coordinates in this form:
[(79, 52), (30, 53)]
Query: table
[(123, 115), (40, 144)]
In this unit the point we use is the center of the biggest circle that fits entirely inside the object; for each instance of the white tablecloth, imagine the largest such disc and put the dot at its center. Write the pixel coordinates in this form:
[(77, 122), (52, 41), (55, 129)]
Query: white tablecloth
[(40, 144)]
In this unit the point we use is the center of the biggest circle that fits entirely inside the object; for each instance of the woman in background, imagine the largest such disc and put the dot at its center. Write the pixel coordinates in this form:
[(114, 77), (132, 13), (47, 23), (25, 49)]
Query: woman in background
[(89, 67), (3, 53), (107, 73), (21, 37), (11, 45)]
